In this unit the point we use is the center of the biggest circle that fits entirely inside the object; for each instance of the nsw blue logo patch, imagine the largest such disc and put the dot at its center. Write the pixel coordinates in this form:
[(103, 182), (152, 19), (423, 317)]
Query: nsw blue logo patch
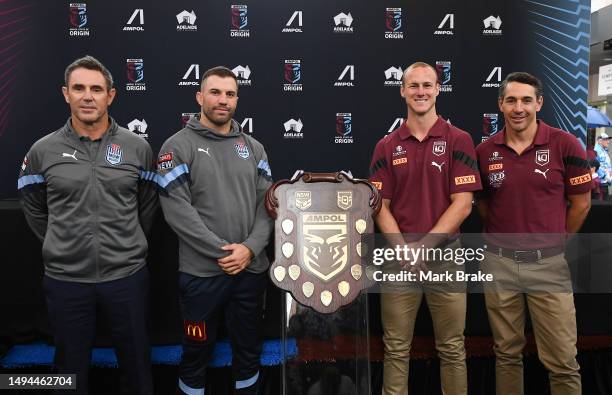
[(113, 154), (242, 150)]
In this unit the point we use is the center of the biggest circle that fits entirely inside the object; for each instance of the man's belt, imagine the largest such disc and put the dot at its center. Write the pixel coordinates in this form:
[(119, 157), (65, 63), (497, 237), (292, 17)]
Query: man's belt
[(526, 256)]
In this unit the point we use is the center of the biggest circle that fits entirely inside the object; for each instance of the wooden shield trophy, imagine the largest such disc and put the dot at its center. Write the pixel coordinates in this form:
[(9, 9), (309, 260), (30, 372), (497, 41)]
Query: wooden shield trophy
[(320, 221)]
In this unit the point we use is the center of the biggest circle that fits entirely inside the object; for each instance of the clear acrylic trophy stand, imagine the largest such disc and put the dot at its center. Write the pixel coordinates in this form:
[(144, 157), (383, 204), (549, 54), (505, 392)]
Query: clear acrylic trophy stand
[(325, 353)]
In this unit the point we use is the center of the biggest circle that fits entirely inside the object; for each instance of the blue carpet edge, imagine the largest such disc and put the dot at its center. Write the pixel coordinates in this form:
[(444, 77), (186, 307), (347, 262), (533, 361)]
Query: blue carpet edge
[(41, 354)]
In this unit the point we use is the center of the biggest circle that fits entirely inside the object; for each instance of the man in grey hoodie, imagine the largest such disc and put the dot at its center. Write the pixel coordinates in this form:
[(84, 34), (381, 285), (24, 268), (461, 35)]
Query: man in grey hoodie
[(212, 180)]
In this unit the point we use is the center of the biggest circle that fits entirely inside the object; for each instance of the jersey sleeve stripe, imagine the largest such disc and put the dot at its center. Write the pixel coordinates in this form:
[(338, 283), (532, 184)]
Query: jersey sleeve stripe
[(576, 161), (30, 180), (264, 169), (466, 159), (379, 164), (164, 181), (147, 175)]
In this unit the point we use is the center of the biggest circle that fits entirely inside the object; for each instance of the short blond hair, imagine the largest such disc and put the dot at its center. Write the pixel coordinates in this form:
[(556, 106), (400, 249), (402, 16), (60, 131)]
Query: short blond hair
[(419, 64)]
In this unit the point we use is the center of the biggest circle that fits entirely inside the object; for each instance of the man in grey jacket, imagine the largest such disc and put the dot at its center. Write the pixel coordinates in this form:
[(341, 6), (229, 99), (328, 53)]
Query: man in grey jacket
[(212, 180), (88, 193)]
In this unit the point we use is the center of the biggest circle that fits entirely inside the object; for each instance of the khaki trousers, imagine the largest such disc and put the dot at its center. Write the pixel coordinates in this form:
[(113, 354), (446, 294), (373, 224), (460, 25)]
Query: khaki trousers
[(399, 310), (553, 316)]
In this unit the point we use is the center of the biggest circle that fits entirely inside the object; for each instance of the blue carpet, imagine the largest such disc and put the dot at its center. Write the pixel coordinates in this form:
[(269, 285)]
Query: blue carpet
[(42, 354)]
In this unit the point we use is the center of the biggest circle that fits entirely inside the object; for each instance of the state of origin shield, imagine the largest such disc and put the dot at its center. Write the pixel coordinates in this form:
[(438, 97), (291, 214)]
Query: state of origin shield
[(320, 221)]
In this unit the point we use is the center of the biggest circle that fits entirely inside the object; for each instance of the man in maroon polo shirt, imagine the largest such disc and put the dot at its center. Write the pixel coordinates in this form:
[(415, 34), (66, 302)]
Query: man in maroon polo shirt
[(426, 172), (530, 172)]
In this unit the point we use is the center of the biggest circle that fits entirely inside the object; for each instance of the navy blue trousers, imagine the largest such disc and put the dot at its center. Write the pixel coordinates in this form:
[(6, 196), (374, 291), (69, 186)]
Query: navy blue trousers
[(124, 303), (203, 300)]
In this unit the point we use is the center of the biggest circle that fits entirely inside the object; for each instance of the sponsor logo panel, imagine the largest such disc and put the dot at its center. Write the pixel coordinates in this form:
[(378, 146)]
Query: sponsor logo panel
[(135, 75), (580, 179), (293, 129), (137, 18), (492, 26), (240, 21), (292, 73), (294, 24), (444, 71), (343, 23), (78, 20), (344, 128), (186, 21), (138, 127), (393, 23), (471, 179)]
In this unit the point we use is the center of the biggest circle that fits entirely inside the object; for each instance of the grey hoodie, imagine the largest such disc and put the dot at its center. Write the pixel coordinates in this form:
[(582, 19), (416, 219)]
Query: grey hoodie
[(212, 188), (90, 202)]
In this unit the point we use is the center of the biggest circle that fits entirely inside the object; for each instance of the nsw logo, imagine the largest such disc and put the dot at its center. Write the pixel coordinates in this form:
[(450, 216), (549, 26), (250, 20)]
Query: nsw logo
[(347, 76), (136, 18), (393, 22), (294, 24), (443, 68), (113, 154), (344, 128), (78, 20), (243, 75), (343, 23), (242, 150), (240, 21), (135, 75), (186, 21), (446, 26), (293, 129), (292, 74), (138, 127)]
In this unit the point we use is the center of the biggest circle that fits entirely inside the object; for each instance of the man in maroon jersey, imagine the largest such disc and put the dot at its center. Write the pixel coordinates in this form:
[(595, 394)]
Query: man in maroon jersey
[(531, 171), (427, 173)]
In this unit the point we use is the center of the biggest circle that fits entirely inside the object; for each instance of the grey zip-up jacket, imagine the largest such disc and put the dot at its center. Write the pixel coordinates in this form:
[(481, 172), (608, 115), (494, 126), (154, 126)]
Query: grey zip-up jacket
[(212, 190), (90, 202)]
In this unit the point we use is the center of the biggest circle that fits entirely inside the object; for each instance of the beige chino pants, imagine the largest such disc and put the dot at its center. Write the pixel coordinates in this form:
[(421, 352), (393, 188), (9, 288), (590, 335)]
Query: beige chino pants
[(552, 311), (399, 308)]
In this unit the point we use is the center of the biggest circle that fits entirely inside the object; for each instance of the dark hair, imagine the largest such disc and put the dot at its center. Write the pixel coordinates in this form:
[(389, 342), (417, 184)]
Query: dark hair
[(523, 78), (219, 71), (90, 63), (420, 64)]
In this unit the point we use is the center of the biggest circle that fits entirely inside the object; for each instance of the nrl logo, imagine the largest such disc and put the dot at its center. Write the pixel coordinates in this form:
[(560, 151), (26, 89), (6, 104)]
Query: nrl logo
[(321, 220)]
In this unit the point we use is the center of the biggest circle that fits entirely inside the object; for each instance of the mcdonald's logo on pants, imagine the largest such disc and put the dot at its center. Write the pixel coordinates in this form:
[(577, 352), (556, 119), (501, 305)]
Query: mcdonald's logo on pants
[(195, 331)]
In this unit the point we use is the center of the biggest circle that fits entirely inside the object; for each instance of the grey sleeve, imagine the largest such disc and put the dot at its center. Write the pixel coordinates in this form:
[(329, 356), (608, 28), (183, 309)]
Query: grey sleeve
[(147, 192), (33, 192), (173, 178), (263, 225)]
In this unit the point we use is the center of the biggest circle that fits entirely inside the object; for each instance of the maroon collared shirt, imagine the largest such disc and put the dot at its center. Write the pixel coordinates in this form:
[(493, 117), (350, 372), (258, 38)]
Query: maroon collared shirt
[(419, 176), (527, 193)]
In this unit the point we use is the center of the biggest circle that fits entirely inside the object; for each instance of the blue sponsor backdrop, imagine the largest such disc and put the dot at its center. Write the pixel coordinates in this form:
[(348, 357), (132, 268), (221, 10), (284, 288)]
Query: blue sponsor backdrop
[(318, 80)]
